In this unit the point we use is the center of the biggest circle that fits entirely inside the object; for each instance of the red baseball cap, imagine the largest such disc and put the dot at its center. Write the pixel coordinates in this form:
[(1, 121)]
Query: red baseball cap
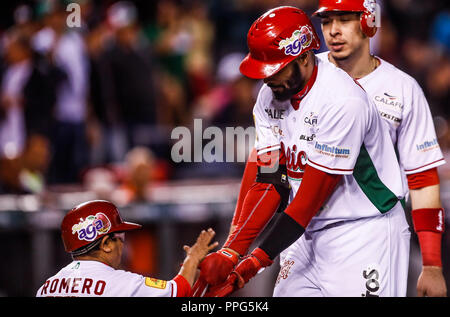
[(90, 221)]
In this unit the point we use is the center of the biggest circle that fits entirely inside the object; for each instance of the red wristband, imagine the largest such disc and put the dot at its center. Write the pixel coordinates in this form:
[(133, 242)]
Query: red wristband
[(429, 226), (428, 219), (430, 247), (229, 255), (262, 257)]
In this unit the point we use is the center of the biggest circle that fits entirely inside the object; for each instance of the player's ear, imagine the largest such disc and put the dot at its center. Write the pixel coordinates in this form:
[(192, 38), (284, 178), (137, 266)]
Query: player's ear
[(106, 244), (303, 60)]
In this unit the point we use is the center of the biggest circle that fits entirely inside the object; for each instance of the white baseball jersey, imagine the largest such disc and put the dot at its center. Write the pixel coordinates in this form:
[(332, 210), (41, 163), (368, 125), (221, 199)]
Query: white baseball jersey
[(93, 278), (336, 129), (365, 257), (402, 104)]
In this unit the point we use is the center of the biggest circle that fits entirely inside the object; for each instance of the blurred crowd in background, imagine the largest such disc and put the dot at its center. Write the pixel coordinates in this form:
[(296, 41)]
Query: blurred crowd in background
[(95, 105)]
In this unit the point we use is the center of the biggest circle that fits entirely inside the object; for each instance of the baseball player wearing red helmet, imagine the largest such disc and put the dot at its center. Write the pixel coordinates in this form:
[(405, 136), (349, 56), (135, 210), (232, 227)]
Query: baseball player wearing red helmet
[(321, 150), (94, 234), (347, 26)]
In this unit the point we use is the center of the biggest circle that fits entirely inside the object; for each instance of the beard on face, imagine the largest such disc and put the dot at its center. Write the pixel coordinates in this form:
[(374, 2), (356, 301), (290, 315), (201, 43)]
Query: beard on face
[(340, 57), (293, 85)]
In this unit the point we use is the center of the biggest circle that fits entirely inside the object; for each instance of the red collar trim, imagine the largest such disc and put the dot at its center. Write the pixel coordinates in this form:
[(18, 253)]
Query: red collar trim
[(297, 98)]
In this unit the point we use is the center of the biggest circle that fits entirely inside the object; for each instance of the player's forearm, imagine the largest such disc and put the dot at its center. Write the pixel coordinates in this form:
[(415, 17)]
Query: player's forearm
[(424, 189), (425, 197), (269, 191), (260, 204), (189, 269), (428, 217)]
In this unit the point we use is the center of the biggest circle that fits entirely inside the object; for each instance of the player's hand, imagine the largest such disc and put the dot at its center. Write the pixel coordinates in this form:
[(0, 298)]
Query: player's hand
[(214, 270), (246, 269), (224, 289), (195, 254), (431, 282), (202, 246), (250, 266)]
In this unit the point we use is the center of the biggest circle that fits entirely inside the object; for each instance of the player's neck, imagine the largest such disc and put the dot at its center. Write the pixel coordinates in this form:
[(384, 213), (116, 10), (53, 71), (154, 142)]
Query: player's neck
[(98, 258), (357, 65)]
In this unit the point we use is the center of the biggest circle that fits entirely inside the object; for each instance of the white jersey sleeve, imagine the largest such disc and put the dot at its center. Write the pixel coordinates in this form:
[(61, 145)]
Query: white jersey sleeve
[(417, 143), (265, 139), (339, 134)]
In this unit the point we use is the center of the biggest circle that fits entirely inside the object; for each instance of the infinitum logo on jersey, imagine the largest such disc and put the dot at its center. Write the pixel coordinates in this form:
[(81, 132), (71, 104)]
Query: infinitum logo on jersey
[(332, 150), (89, 228), (427, 145), (299, 40)]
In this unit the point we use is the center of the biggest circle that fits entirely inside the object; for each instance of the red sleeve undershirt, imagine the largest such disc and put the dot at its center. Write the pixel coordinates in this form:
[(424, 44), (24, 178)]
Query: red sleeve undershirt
[(247, 181), (260, 204), (423, 179), (183, 287), (315, 189), (257, 203)]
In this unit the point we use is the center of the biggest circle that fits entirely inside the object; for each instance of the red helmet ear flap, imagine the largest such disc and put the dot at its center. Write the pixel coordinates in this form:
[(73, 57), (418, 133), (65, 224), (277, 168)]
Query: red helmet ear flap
[(368, 27)]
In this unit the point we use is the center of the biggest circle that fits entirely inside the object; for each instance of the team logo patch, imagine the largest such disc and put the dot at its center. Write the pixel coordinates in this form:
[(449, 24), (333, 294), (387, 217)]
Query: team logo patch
[(94, 225), (285, 270), (155, 283), (299, 40)]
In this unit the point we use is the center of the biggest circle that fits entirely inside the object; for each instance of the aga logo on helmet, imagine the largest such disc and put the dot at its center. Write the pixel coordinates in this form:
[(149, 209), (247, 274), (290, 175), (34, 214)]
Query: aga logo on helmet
[(89, 228), (299, 40)]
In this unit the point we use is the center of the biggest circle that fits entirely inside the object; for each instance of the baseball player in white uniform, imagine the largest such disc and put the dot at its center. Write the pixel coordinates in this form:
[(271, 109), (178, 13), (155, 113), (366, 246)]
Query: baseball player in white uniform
[(94, 233), (347, 27), (345, 213)]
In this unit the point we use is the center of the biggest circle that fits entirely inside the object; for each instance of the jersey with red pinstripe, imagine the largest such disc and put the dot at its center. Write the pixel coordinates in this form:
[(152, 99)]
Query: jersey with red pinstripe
[(336, 129), (402, 104)]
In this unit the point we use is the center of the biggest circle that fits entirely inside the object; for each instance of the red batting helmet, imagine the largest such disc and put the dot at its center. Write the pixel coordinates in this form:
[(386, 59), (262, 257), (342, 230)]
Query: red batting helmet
[(90, 221), (275, 39), (366, 7)]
